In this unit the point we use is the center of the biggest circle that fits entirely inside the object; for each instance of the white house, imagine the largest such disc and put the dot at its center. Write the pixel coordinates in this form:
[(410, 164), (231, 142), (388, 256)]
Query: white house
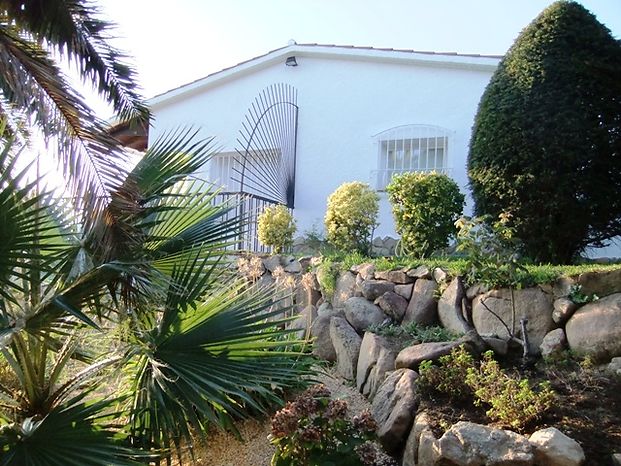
[(324, 115)]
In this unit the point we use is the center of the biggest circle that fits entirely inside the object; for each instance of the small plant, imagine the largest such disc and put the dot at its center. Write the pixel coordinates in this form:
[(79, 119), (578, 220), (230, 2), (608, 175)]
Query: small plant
[(578, 297), (512, 401), (490, 251), (276, 227), (327, 273), (425, 207), (315, 430), (351, 217), (449, 377), (412, 332)]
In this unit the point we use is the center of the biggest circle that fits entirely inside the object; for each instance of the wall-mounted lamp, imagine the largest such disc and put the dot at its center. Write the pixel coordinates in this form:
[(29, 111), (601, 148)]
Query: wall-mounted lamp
[(291, 61)]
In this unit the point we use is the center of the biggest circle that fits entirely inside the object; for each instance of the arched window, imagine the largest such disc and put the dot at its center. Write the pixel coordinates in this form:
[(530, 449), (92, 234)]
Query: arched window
[(410, 148)]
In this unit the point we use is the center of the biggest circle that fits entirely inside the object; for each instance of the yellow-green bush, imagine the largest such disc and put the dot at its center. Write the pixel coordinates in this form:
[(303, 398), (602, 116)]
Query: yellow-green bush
[(351, 216), (276, 227)]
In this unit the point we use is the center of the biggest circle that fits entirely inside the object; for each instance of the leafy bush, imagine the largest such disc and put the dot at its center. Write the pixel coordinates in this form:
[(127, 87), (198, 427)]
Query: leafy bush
[(579, 297), (327, 273), (449, 377), (512, 401), (425, 207), (490, 252), (276, 227), (546, 140), (351, 216), (315, 430), (413, 332)]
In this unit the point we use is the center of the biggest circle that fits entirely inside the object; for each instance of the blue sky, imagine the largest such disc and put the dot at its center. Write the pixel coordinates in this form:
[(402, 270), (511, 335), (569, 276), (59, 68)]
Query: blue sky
[(176, 42)]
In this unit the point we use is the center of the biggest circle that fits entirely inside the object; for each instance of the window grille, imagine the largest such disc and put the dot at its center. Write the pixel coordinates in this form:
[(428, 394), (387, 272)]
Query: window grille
[(410, 148)]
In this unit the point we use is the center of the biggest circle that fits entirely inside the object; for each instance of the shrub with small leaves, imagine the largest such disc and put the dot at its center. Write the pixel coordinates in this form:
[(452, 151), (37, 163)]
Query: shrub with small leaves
[(449, 377), (512, 401), (276, 227), (425, 207), (351, 216), (315, 430)]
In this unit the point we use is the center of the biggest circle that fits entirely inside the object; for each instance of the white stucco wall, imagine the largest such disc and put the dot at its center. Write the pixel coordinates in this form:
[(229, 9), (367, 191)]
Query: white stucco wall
[(343, 102)]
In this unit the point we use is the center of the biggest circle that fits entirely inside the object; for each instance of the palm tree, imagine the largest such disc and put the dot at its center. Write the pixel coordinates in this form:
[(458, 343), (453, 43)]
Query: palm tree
[(35, 92), (124, 339)]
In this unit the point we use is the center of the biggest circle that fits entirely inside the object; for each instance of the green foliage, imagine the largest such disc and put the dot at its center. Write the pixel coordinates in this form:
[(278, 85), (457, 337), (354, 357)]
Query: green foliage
[(546, 140), (512, 401), (490, 252), (425, 207), (314, 430), (449, 377), (351, 216), (413, 332), (276, 227), (327, 274), (578, 297)]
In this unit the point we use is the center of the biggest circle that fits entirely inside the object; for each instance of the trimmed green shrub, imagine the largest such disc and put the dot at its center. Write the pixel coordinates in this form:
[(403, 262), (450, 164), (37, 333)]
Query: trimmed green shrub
[(546, 142), (449, 377), (425, 207), (276, 227), (351, 216)]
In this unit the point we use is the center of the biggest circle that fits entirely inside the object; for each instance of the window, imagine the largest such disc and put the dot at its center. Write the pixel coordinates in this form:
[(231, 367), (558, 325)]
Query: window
[(410, 148), (222, 171)]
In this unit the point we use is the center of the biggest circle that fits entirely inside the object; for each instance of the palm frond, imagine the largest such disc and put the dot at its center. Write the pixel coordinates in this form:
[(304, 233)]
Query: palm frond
[(71, 27), (212, 363), (70, 435)]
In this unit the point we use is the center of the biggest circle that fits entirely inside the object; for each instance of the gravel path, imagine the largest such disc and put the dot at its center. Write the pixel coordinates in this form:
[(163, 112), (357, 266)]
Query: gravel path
[(225, 450)]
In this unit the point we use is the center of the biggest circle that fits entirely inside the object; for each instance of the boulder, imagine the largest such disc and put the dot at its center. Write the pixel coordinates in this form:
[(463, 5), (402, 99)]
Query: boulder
[(553, 448), (292, 265), (376, 358), (422, 422), (345, 289), (373, 289), (616, 459), (469, 444), (421, 271), (412, 356), (361, 313), (423, 306), (600, 283), (304, 322), (440, 275), (320, 331), (446, 310), (531, 303), (394, 407), (427, 448), (346, 344), (475, 290), (614, 367), (366, 271), (306, 294), (399, 277), (595, 328), (393, 305), (405, 291), (271, 263), (564, 308), (553, 343), (498, 345)]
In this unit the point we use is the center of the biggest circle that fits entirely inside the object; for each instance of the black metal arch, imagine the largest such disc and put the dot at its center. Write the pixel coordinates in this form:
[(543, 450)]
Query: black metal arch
[(268, 141)]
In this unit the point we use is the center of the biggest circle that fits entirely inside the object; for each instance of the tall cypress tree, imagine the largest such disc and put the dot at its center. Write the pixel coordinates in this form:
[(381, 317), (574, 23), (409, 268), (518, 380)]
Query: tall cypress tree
[(546, 143)]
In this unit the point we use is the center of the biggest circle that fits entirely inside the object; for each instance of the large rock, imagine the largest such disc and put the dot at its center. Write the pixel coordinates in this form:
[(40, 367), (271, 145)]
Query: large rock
[(345, 289), (376, 358), (396, 276), (422, 423), (595, 328), (446, 310), (307, 291), (320, 331), (361, 313), (373, 289), (423, 306), (292, 265), (469, 444), (394, 407), (271, 263), (614, 367), (304, 322), (405, 291), (365, 271), (553, 448), (553, 343), (600, 283), (422, 271), (412, 356), (531, 303), (564, 308), (393, 305), (346, 344)]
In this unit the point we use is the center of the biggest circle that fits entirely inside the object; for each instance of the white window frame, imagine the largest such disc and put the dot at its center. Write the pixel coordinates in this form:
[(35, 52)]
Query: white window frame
[(410, 148)]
